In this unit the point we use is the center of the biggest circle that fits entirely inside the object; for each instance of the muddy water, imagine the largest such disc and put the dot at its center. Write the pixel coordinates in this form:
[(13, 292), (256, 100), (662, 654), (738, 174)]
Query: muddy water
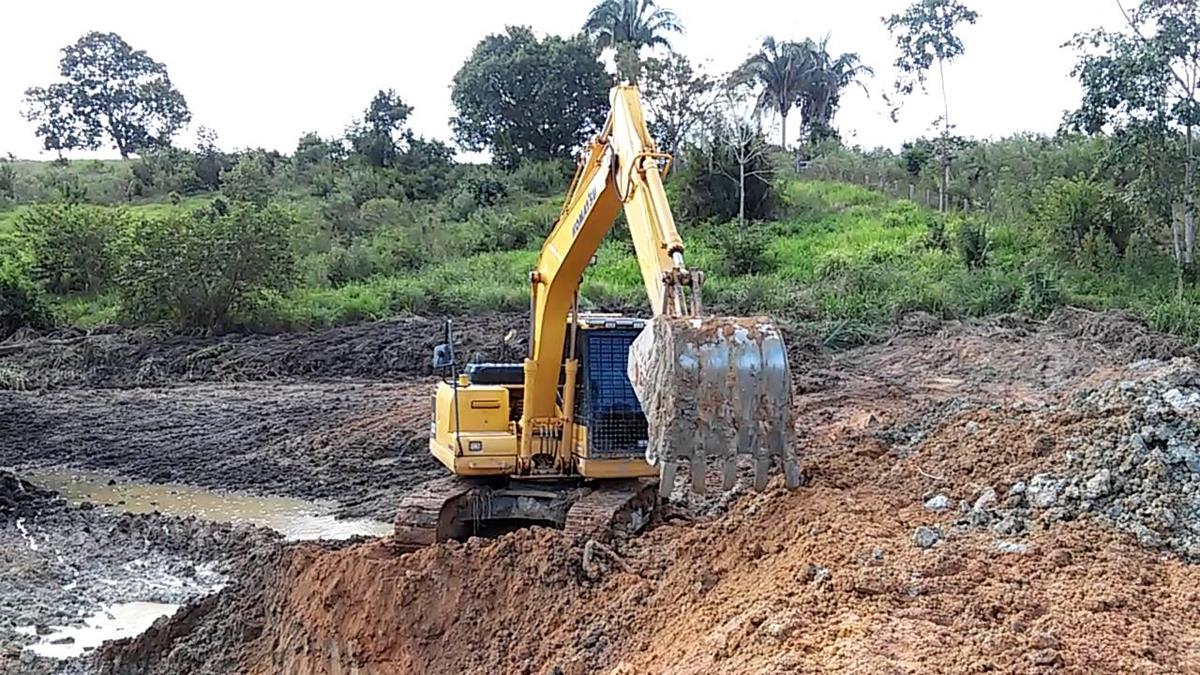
[(294, 518), (116, 621)]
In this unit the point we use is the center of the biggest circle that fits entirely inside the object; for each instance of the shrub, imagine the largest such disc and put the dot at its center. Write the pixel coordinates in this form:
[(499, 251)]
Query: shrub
[(494, 230), (350, 263), (478, 190), (544, 179), (8, 181), (339, 211), (20, 305), (73, 245), (905, 214), (1072, 209), (380, 212), (1041, 291), (249, 180), (745, 248), (935, 233), (709, 191), (204, 269), (972, 242)]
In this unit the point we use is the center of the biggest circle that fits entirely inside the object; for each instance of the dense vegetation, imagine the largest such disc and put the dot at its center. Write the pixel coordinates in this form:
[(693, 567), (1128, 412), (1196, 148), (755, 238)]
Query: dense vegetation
[(380, 221)]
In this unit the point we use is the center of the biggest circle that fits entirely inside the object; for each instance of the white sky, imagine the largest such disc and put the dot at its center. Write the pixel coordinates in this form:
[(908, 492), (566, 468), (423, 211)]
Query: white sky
[(262, 73)]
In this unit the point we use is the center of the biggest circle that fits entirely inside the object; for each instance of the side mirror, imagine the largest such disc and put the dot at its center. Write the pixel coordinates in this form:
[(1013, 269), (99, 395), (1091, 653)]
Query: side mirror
[(443, 357)]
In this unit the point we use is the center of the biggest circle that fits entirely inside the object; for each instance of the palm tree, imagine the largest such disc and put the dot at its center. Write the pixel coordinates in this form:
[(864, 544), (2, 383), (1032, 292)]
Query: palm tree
[(628, 26), (779, 69), (824, 81)]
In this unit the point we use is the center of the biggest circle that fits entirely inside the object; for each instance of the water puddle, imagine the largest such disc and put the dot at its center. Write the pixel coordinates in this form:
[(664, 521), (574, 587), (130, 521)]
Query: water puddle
[(294, 518), (120, 620)]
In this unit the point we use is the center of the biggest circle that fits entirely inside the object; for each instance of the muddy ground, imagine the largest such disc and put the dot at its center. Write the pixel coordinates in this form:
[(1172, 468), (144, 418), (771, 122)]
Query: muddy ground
[(953, 517)]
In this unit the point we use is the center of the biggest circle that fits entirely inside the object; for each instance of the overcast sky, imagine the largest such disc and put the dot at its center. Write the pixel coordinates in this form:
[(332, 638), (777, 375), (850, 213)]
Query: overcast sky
[(263, 73)]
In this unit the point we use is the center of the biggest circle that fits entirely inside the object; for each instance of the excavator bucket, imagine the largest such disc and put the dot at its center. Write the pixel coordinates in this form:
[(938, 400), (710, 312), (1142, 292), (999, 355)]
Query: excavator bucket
[(715, 387)]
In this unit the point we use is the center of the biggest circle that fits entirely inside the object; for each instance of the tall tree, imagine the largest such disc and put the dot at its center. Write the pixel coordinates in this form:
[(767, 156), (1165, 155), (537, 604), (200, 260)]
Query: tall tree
[(382, 133), (1143, 83), (629, 25), (825, 79), (737, 132), (111, 90), (926, 34), (525, 98), (779, 70), (677, 97)]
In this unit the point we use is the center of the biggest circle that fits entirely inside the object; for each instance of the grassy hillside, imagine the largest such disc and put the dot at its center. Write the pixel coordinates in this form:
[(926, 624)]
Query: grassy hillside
[(842, 258), (848, 261)]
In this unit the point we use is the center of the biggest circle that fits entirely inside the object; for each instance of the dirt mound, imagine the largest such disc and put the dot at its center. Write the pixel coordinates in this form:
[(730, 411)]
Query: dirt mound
[(835, 584), (1124, 452), (19, 499), (1119, 330), (900, 554), (149, 357)]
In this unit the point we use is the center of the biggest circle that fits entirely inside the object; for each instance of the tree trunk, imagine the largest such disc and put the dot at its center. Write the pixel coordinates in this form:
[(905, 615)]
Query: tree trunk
[(1189, 210), (783, 129), (945, 187), (742, 192)]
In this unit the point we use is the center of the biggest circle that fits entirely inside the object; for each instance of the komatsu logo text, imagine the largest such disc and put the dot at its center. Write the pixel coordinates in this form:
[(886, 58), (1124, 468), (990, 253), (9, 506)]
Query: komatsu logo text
[(587, 208)]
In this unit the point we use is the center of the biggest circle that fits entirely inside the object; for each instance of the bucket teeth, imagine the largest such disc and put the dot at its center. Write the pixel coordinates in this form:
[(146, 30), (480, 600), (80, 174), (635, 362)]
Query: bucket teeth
[(715, 387)]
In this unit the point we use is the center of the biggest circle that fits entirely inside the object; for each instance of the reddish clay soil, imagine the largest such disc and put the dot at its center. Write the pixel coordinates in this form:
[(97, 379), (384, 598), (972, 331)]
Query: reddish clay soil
[(829, 578)]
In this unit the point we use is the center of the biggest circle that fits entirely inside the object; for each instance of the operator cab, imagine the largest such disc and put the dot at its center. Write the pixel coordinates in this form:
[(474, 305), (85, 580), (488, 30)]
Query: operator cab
[(609, 420)]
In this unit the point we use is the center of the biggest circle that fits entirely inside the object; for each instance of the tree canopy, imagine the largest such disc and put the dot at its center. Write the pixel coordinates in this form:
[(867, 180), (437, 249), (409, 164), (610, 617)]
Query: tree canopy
[(790, 74), (382, 133), (1142, 84), (526, 98), (629, 25), (110, 91)]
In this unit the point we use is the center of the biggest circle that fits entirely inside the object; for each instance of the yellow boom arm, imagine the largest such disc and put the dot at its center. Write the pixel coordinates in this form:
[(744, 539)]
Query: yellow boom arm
[(622, 169)]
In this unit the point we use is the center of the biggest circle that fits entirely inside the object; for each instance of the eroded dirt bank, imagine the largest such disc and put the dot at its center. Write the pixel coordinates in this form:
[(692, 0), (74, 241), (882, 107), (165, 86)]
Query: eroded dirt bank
[(975, 501)]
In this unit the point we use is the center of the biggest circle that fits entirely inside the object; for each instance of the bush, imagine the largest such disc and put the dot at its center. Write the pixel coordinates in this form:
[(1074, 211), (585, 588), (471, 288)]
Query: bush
[(249, 180), (20, 305), (8, 181), (205, 269), (1041, 290), (905, 214), (73, 245), (340, 213), (1076, 209), (380, 212), (544, 179), (493, 230), (972, 242), (707, 191), (478, 190), (744, 248), (350, 263)]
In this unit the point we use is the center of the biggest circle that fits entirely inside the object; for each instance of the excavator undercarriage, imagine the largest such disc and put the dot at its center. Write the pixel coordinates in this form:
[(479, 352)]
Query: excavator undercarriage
[(455, 508)]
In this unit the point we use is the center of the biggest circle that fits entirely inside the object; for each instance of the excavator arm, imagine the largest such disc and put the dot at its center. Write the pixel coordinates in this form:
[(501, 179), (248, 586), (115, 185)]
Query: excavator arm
[(740, 367)]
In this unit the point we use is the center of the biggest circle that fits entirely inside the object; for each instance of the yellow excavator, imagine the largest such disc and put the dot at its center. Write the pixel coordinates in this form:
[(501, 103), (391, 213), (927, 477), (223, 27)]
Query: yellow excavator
[(605, 407)]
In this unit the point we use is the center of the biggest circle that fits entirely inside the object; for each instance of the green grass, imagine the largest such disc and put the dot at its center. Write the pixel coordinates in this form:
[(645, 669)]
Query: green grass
[(846, 261)]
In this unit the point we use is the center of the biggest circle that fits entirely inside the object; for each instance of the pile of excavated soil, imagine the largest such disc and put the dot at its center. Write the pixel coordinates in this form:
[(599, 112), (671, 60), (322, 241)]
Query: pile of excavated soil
[(150, 357), (892, 557), (361, 445)]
